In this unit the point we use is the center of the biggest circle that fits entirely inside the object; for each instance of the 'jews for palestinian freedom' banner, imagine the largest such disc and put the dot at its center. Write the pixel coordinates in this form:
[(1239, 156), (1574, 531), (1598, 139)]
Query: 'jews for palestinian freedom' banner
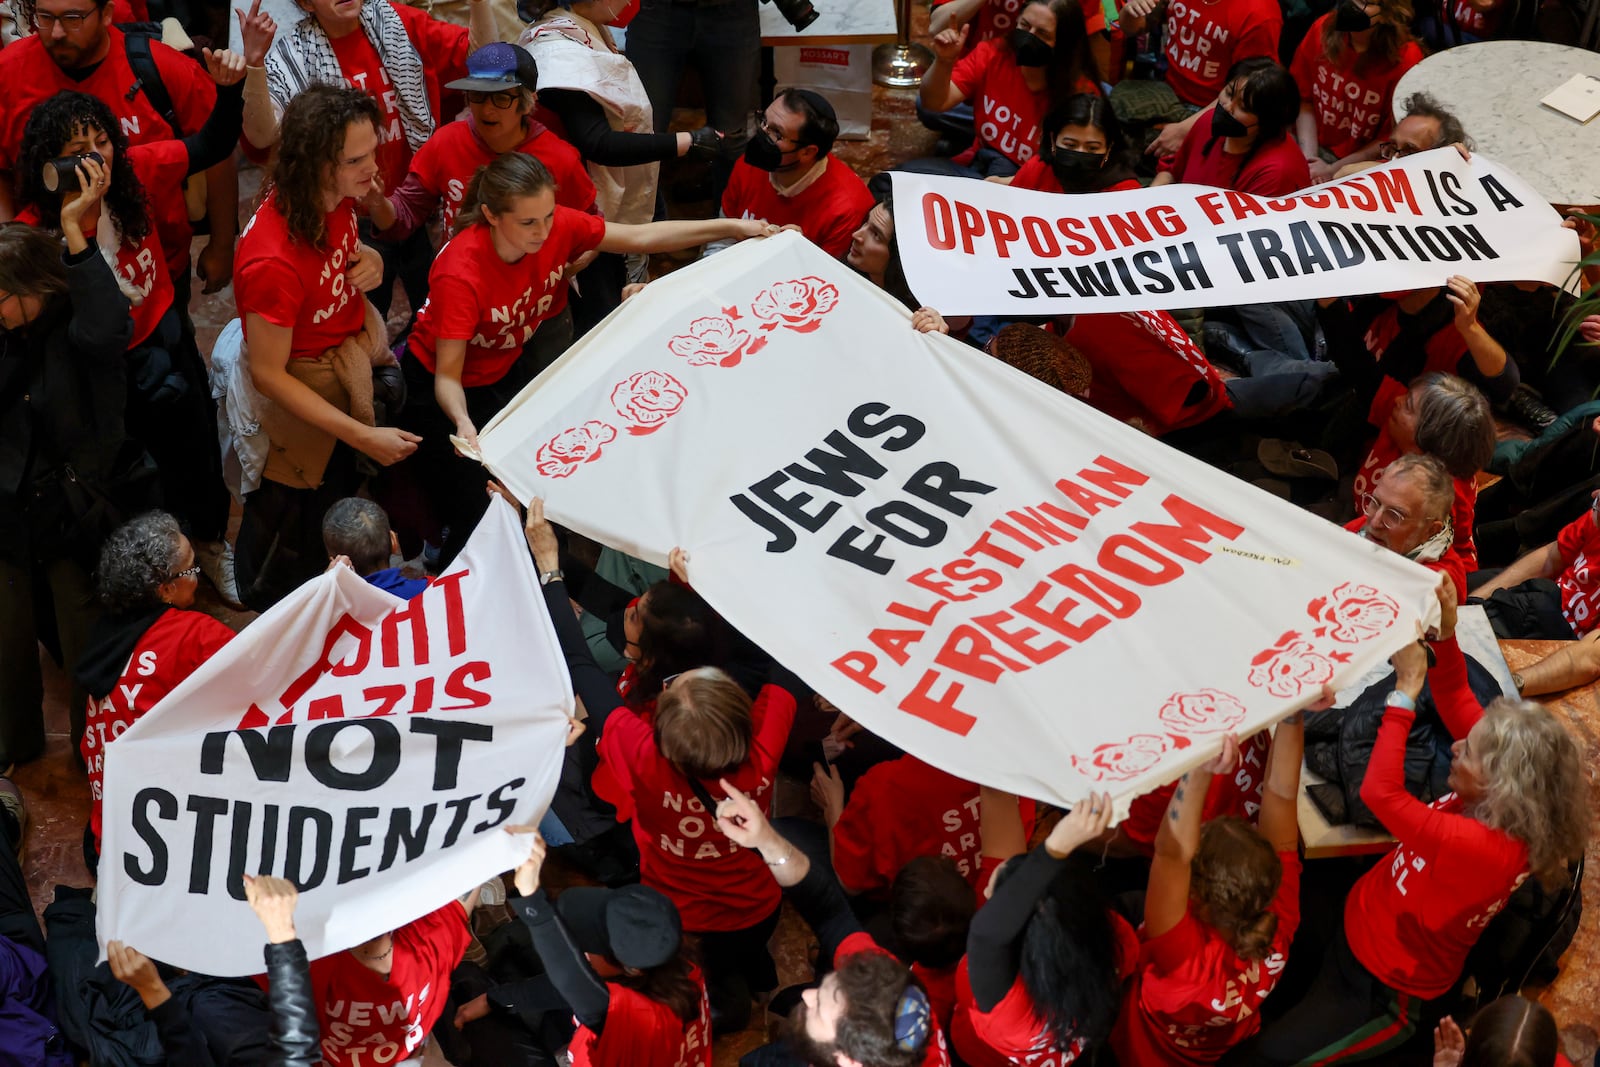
[(980, 248), (369, 749), (990, 574)]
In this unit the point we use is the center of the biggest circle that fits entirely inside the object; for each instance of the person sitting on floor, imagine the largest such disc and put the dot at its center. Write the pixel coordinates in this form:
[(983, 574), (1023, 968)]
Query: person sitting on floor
[(356, 531)]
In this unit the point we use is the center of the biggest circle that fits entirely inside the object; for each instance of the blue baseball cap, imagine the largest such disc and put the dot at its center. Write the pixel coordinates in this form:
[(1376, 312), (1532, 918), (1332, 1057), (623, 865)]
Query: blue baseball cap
[(497, 67)]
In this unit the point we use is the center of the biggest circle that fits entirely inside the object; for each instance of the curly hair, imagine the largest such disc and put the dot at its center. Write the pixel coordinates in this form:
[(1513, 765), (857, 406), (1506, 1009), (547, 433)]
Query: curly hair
[(139, 558), (1389, 37), (311, 148), (57, 121), (1534, 786), (1234, 877)]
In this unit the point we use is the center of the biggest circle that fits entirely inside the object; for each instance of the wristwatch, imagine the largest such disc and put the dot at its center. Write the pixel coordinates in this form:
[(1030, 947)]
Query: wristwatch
[(551, 576), (1516, 680)]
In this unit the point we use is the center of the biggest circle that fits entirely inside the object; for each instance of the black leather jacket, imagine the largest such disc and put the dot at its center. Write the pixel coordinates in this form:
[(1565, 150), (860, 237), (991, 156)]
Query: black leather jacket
[(295, 1039)]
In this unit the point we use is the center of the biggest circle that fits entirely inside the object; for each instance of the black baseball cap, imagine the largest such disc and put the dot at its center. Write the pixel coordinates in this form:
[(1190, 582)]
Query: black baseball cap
[(635, 925), (497, 67)]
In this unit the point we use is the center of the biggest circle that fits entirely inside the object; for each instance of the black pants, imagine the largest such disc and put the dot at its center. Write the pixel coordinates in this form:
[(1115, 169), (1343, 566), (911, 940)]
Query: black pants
[(280, 536), (17, 920), (597, 291), (406, 261), (1348, 1015), (737, 965), (30, 594), (176, 421)]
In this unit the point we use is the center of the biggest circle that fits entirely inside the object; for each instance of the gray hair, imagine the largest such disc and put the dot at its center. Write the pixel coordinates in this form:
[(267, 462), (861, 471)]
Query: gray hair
[(1424, 105), (359, 529), (1454, 423), (1438, 491), (139, 558)]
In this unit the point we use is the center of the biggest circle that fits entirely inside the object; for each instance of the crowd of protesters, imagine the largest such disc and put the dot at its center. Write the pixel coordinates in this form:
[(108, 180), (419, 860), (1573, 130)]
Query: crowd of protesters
[(505, 171)]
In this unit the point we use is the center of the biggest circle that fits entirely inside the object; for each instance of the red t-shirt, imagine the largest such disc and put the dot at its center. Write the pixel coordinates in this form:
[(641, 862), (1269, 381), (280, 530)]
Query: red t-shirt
[(1478, 23), (442, 47), (1145, 365), (940, 985), (367, 1020), (898, 811), (937, 1053), (827, 211), (1013, 1032), (1276, 169), (1238, 795), (1463, 510), (446, 164), (641, 1032), (1412, 919), (291, 284), (715, 884), (1579, 545), (31, 77), (495, 306), (1193, 998), (1006, 113), (1353, 106), (176, 643), (1036, 174), (1205, 39)]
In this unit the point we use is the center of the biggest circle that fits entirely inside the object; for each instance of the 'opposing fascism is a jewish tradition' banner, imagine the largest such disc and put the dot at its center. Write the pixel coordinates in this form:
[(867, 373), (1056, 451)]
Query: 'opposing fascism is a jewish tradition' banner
[(980, 248), (990, 574), (368, 749)]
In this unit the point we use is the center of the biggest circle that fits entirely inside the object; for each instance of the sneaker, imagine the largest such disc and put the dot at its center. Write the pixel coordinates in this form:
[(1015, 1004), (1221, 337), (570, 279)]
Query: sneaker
[(11, 800), (1528, 407), (215, 559)]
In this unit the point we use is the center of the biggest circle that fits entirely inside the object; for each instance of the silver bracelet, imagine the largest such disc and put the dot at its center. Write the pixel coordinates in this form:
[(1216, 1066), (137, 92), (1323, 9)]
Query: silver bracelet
[(786, 857)]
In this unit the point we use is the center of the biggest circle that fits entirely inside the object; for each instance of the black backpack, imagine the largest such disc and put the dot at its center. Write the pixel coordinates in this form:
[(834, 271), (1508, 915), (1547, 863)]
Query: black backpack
[(1523, 944)]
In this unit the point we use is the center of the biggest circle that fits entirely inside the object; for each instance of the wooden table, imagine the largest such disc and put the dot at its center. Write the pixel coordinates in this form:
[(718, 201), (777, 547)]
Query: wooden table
[(1494, 88)]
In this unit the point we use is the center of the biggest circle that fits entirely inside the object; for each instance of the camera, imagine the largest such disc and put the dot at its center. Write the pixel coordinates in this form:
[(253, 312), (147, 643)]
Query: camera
[(799, 13), (61, 175)]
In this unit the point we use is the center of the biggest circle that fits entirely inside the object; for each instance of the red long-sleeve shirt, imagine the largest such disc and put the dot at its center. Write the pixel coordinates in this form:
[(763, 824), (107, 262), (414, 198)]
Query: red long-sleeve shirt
[(1412, 919)]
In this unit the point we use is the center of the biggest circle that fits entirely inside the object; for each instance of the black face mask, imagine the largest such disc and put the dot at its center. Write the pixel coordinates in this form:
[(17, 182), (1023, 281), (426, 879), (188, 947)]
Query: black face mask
[(1223, 124), (1351, 17), (1074, 169), (762, 152), (1029, 50)]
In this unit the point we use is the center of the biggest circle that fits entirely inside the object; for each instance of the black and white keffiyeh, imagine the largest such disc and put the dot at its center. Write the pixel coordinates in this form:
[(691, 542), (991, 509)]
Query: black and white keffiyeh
[(304, 56)]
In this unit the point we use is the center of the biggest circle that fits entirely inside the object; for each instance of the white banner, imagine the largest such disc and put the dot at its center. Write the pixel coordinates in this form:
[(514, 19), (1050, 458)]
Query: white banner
[(992, 575), (979, 248), (365, 748)]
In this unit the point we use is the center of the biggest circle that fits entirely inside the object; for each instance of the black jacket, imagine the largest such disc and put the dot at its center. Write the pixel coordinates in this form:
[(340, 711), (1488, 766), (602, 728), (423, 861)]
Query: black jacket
[(295, 1040), (62, 395)]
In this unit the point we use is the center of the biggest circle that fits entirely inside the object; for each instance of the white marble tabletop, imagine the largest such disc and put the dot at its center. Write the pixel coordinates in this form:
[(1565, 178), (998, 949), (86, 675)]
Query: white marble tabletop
[(1494, 87), (838, 22)]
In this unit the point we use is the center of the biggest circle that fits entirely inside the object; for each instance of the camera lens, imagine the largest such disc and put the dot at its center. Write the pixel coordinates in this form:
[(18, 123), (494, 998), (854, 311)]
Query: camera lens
[(61, 175)]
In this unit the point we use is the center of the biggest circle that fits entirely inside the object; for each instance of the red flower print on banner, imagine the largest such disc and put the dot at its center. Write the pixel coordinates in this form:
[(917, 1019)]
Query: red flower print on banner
[(1209, 711), (1292, 666), (1354, 613), (571, 449), (798, 304), (1118, 761), (714, 341), (647, 400)]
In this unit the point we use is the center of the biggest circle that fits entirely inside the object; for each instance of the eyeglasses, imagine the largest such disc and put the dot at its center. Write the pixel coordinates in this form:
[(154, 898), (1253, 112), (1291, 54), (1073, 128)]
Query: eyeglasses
[(1380, 514), (501, 100), (70, 21), (669, 679), (1394, 150), (187, 572), (758, 120)]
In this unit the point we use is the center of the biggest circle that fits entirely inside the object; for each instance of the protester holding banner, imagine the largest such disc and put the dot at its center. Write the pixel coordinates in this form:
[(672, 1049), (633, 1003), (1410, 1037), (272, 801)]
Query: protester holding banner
[(1148, 371), (312, 340), (1519, 808), (1220, 914), (1081, 150), (1245, 142), (1012, 82), (876, 254), (1046, 957), (146, 642), (499, 317), (66, 329), (294, 1018), (1347, 67)]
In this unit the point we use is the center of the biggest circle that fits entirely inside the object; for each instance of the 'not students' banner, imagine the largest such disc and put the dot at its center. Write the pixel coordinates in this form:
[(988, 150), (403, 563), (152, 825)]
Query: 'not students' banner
[(990, 574), (368, 749), (980, 248)]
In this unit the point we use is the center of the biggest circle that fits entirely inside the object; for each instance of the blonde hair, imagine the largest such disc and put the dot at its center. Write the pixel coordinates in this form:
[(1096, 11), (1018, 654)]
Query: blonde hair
[(702, 724), (1534, 786)]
